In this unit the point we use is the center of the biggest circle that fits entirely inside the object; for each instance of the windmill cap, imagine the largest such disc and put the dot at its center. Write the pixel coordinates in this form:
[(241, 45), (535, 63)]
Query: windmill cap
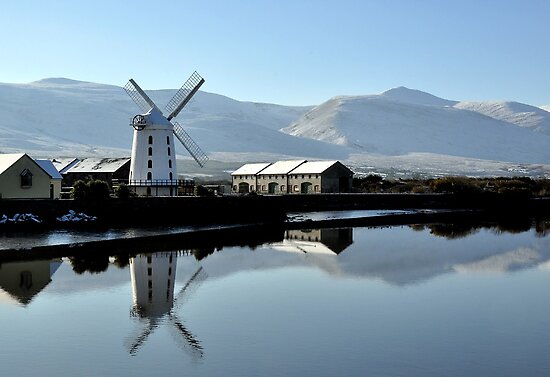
[(155, 119)]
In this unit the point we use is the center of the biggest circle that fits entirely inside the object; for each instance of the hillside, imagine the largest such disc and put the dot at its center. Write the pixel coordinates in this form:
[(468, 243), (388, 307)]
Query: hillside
[(401, 131), (403, 121)]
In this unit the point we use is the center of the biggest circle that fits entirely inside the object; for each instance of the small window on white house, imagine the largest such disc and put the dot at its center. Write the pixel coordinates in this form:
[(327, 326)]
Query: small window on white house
[(149, 175), (171, 175), (169, 151), (170, 164), (150, 139), (26, 178), (150, 164)]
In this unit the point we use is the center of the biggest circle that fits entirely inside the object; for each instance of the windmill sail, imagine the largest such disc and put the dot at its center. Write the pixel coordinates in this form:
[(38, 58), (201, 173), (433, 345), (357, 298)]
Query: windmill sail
[(194, 150), (134, 346), (186, 92), (137, 94)]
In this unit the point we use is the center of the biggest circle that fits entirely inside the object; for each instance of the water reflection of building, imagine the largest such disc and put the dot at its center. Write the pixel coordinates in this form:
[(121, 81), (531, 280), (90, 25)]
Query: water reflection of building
[(153, 277), (22, 281), (319, 240)]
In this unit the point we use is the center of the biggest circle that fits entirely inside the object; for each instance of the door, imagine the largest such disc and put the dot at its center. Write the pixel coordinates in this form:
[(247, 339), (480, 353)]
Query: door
[(272, 187)]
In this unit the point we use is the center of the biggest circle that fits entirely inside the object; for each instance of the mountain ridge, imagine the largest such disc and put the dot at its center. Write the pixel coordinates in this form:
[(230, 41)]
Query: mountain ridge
[(57, 117)]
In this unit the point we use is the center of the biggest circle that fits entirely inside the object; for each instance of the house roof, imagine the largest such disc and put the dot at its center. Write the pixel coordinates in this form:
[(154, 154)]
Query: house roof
[(64, 164), (49, 168), (251, 169), (282, 167), (7, 160), (98, 165), (313, 167)]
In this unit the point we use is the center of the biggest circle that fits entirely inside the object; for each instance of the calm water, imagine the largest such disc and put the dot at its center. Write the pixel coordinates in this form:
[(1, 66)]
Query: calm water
[(399, 301)]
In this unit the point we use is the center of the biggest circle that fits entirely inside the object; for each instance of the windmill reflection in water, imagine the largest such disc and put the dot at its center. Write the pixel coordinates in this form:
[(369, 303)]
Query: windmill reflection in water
[(153, 277)]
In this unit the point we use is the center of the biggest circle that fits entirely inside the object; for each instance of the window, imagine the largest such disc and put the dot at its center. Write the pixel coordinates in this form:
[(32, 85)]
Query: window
[(149, 271), (149, 259), (234, 187), (150, 139), (168, 141), (149, 175), (303, 176), (150, 164), (150, 284), (150, 151), (170, 175), (316, 188), (296, 188), (169, 271), (310, 176), (169, 151), (263, 187), (26, 178), (282, 188), (170, 163), (316, 175), (148, 191)]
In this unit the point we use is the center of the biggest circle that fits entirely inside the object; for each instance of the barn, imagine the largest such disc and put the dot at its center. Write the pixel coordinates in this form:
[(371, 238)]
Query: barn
[(293, 177), (103, 169), (245, 179), (320, 177)]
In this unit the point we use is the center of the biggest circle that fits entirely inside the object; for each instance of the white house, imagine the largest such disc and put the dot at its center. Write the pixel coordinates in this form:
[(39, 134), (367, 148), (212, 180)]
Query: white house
[(21, 177), (55, 178)]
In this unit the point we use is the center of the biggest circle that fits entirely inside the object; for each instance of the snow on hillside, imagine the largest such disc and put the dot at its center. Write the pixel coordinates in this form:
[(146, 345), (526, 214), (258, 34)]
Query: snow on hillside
[(59, 115), (418, 123), (416, 97), (545, 108), (513, 112), (400, 131)]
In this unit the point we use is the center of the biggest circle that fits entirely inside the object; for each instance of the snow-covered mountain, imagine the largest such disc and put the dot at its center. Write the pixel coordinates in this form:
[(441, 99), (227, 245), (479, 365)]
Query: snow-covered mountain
[(400, 130), (402, 121)]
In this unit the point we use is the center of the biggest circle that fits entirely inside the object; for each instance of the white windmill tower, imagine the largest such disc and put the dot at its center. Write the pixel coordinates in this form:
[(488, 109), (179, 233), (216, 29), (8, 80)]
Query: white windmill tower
[(153, 162), (153, 277)]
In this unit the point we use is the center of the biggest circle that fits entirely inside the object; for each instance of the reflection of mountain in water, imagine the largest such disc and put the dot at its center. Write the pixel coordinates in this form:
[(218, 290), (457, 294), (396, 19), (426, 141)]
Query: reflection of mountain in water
[(22, 281), (153, 278), (397, 255)]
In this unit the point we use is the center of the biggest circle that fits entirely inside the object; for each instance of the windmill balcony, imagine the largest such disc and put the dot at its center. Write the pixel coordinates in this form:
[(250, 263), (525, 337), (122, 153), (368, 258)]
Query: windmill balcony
[(181, 183)]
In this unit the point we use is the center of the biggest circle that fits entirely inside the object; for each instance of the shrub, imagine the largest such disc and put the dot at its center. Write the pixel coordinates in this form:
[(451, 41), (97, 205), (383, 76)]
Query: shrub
[(99, 190), (93, 190), (122, 191), (455, 185), (80, 190)]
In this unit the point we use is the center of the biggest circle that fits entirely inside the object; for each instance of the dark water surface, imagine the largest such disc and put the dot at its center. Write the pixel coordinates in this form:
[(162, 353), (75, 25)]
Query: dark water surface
[(396, 301)]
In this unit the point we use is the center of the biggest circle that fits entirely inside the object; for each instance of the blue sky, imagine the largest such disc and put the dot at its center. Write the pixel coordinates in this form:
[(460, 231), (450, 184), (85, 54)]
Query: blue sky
[(286, 52)]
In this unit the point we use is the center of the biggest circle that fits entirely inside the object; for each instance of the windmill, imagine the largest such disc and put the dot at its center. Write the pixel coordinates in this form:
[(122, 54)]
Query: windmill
[(153, 279), (153, 161)]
